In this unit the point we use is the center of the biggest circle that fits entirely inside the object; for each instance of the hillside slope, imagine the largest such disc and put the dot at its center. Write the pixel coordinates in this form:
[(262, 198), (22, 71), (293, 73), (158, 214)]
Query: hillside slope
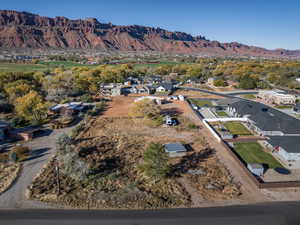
[(26, 30)]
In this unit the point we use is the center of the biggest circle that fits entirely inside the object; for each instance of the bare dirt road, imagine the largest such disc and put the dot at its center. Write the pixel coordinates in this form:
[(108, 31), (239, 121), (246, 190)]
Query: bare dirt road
[(42, 149)]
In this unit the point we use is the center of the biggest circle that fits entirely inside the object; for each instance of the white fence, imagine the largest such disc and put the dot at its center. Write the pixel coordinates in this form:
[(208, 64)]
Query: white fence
[(227, 119), (214, 133)]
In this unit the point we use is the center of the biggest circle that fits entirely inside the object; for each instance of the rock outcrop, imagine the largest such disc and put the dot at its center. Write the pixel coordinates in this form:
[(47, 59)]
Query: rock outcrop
[(26, 30)]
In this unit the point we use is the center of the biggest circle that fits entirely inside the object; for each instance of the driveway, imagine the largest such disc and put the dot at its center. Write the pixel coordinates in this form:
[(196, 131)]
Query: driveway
[(42, 149)]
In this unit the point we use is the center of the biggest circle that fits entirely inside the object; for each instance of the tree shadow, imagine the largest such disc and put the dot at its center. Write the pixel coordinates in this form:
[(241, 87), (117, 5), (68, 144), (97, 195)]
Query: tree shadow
[(191, 161), (37, 154), (171, 111), (107, 166), (42, 133)]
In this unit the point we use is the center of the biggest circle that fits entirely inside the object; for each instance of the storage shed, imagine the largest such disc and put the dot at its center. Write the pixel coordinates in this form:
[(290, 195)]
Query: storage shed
[(256, 168), (175, 149)]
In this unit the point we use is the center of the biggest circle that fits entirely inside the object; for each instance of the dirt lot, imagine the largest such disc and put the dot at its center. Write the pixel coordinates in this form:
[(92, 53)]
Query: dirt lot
[(118, 106), (115, 144)]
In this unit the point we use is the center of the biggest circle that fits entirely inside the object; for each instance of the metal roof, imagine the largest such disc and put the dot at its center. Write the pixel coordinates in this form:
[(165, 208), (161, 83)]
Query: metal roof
[(175, 147)]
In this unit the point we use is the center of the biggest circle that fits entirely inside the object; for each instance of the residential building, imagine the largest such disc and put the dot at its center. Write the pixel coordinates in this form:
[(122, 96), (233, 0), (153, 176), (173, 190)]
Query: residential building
[(142, 89), (112, 89), (282, 130), (274, 97), (164, 87), (153, 79)]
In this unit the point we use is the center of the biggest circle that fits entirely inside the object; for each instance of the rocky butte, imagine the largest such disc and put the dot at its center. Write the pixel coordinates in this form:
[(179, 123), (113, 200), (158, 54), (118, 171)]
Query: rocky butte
[(26, 30)]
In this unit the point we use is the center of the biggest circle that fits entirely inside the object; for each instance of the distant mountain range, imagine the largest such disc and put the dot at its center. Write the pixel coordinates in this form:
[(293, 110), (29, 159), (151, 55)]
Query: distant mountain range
[(26, 30)]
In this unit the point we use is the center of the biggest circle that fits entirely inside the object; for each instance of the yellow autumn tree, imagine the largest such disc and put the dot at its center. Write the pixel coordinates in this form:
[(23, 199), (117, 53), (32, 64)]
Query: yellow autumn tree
[(31, 107), (16, 89)]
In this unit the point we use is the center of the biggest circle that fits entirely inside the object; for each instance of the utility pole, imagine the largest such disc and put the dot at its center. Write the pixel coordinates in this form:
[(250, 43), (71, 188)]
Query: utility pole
[(57, 177)]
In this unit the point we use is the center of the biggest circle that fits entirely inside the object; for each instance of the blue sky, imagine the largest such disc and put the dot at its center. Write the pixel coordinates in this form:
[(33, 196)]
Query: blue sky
[(265, 23)]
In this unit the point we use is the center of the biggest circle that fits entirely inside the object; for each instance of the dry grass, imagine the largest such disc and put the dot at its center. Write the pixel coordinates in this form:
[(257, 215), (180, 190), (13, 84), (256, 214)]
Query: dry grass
[(115, 144), (195, 94), (8, 174), (118, 106)]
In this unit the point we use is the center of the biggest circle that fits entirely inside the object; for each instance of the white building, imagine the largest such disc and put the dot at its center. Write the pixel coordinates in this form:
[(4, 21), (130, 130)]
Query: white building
[(277, 98)]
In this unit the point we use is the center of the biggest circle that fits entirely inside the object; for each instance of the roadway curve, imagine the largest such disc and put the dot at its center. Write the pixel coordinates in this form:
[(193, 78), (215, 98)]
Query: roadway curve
[(260, 214), (209, 92)]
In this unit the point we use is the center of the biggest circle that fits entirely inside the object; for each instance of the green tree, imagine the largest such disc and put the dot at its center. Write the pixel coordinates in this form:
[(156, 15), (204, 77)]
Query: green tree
[(155, 163), (247, 82), (220, 83)]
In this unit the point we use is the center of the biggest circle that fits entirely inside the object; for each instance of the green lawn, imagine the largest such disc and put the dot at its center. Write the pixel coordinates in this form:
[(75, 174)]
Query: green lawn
[(67, 64), (249, 96), (283, 107), (237, 128), (252, 152), (221, 113), (42, 66), (201, 102), (13, 67)]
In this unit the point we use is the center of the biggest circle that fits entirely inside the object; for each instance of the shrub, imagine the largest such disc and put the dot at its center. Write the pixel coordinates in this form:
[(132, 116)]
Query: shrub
[(192, 126), (4, 157), (99, 107), (19, 153), (63, 141), (76, 130), (146, 109), (220, 83), (19, 122), (86, 98)]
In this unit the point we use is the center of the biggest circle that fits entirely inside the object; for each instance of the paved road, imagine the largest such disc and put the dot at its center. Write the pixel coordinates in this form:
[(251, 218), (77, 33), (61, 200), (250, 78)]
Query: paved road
[(43, 148), (262, 214), (208, 92)]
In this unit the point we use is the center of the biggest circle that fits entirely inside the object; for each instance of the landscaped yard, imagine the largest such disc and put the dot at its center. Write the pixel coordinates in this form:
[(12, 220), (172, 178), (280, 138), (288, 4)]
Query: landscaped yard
[(201, 102), (237, 128), (221, 113), (284, 107), (249, 96), (252, 152)]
